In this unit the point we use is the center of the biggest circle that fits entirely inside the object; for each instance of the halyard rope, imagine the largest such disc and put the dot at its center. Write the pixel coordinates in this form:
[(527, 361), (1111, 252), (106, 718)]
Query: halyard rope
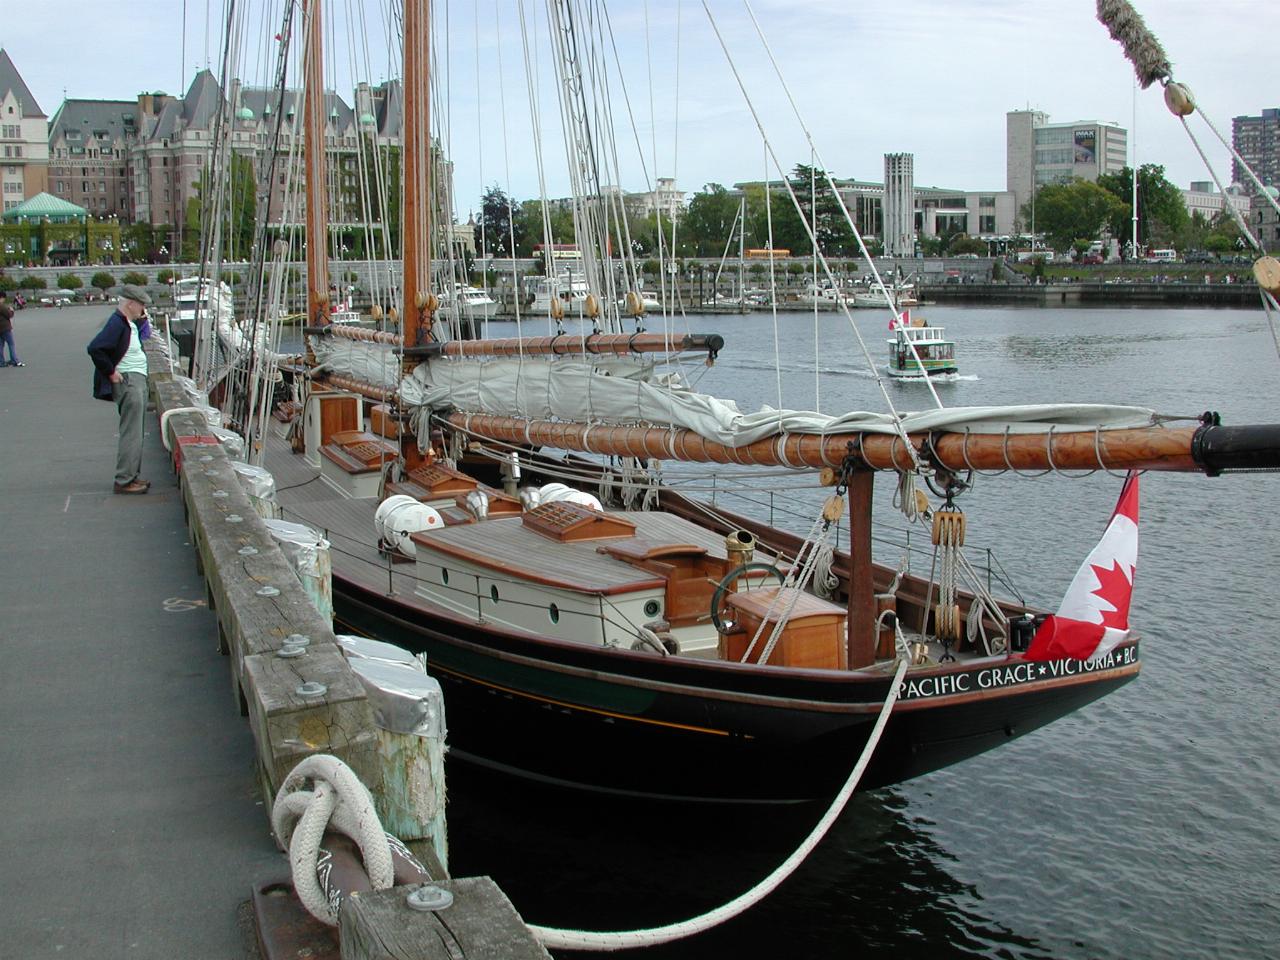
[(623, 940)]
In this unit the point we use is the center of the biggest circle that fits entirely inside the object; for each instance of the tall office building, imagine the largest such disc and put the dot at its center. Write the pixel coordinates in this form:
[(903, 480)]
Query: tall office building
[(899, 205), (1038, 152), (1257, 140)]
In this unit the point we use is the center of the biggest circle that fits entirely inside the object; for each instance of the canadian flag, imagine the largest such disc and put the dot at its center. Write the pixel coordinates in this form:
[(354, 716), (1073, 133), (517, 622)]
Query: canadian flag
[(1094, 616), (900, 321)]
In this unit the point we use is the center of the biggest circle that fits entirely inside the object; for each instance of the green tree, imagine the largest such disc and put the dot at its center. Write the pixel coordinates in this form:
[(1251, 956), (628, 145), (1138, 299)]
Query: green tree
[(1066, 212), (103, 281), (502, 231), (934, 246), (242, 214), (31, 283), (963, 243), (1223, 235), (1162, 213), (69, 281), (141, 242), (383, 182), (531, 228), (192, 226), (708, 221), (165, 276), (239, 213), (135, 278), (828, 222)]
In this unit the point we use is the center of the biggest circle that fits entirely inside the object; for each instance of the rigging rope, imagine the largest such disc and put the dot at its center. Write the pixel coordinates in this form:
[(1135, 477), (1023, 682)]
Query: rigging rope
[(809, 230), (623, 940)]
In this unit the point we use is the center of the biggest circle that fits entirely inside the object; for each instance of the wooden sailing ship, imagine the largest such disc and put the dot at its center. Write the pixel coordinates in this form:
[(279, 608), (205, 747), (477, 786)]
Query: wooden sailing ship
[(669, 652)]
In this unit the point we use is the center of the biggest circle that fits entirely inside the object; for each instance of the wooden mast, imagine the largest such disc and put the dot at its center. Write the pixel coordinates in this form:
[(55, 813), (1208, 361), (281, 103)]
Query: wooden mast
[(313, 124), (861, 622), (415, 220), (1183, 449)]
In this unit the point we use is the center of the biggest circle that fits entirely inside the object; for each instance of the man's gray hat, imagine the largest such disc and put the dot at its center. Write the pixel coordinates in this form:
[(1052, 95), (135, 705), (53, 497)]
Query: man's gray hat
[(130, 292)]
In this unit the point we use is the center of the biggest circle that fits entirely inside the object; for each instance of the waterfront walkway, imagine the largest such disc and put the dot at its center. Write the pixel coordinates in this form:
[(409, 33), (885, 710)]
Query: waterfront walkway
[(130, 824)]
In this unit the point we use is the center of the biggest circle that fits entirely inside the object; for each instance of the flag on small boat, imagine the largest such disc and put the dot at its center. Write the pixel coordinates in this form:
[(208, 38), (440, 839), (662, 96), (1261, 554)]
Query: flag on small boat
[(903, 321), (1094, 615)]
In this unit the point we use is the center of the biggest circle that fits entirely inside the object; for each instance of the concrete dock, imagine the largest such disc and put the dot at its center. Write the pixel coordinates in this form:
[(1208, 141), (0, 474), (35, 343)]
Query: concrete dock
[(133, 792), (131, 824)]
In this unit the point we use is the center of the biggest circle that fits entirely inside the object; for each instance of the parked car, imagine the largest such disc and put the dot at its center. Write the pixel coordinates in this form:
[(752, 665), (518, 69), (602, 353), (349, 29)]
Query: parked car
[(1091, 259), (1200, 256)]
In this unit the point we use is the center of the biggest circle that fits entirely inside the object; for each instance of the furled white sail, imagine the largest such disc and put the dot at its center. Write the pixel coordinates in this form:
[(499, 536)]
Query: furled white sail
[(574, 391)]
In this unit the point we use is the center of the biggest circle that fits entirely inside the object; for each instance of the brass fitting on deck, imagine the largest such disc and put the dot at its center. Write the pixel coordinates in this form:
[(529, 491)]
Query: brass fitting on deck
[(740, 546)]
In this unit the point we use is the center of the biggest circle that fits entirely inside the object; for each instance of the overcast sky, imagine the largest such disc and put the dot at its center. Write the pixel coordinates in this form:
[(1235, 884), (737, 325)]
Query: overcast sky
[(930, 77)]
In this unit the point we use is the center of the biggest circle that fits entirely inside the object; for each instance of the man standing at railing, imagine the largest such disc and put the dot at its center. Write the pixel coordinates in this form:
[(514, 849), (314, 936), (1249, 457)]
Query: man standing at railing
[(120, 374)]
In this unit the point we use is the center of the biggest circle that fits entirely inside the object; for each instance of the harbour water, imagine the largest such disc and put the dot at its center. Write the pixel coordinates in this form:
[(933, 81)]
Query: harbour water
[(1145, 825)]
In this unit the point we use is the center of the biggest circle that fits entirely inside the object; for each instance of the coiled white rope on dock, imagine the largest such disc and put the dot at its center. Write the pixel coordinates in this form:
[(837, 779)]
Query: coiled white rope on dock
[(299, 818), (625, 940)]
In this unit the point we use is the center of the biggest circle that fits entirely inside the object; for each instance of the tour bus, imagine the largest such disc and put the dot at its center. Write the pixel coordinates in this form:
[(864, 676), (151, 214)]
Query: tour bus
[(1162, 256), (764, 253)]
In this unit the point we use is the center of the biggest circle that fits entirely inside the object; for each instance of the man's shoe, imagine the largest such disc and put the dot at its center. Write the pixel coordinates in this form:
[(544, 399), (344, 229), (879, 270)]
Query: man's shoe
[(133, 486)]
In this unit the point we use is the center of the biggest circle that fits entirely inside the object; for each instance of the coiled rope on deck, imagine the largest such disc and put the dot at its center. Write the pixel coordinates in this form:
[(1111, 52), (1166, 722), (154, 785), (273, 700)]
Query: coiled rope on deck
[(624, 940)]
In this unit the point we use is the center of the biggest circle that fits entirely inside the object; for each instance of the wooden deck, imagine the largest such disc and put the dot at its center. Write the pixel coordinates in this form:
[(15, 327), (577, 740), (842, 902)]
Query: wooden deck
[(505, 545)]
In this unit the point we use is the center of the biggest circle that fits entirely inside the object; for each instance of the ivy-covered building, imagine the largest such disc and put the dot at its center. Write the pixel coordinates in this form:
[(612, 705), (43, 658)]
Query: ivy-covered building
[(47, 231)]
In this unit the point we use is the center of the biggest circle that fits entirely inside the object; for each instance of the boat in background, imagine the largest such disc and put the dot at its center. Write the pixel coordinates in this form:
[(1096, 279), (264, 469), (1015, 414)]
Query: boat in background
[(918, 350), (467, 303), (897, 296), (342, 313), (568, 287), (824, 293), (192, 295)]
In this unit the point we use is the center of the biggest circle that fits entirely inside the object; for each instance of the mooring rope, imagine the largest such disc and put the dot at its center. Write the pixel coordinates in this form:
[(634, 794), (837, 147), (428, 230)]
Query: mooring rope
[(299, 818), (624, 940)]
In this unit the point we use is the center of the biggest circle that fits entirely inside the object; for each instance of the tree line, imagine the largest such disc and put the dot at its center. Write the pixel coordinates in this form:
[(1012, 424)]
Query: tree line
[(1071, 214), (714, 221)]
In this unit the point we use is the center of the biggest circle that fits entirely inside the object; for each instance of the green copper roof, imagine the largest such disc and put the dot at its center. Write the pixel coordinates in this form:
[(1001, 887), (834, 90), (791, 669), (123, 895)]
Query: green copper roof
[(45, 205)]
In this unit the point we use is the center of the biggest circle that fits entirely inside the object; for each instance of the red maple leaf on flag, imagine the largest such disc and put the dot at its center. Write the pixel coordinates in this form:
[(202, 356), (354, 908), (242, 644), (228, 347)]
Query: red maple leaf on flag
[(1115, 589)]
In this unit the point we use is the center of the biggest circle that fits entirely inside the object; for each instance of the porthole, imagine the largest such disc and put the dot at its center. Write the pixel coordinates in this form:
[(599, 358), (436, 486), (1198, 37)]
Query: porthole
[(493, 592), (444, 576), (554, 611), (652, 608)]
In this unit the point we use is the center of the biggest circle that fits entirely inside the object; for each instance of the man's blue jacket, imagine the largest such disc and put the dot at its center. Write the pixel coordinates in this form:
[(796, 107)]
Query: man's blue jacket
[(109, 347)]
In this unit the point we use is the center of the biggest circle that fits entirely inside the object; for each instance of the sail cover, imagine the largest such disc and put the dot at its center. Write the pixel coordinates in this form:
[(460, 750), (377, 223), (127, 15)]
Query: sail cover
[(571, 390)]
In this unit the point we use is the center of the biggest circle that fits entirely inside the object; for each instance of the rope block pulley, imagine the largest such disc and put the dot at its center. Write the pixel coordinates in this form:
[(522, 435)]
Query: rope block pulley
[(948, 528), (833, 509), (1179, 99), (1266, 270), (946, 621)]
